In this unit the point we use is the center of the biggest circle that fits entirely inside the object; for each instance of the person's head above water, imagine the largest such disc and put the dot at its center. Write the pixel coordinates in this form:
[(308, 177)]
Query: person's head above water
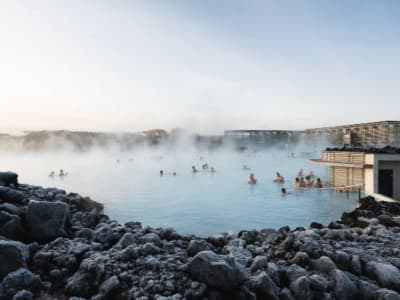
[(161, 172), (283, 190)]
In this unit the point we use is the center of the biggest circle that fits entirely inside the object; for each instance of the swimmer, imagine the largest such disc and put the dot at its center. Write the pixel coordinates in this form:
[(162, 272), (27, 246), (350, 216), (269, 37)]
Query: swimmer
[(194, 170), (174, 173), (246, 167), (52, 173), (300, 173), (61, 173), (284, 192), (296, 184), (212, 170), (318, 183), (279, 178), (311, 174), (205, 166), (252, 180), (309, 182), (302, 182), (161, 172)]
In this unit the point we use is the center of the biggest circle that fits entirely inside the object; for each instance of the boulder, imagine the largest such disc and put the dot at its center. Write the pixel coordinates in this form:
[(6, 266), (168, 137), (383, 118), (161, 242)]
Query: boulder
[(241, 255), (87, 204), (126, 240), (324, 265), (19, 280), (301, 288), (216, 270), (196, 246), (10, 195), (12, 209), (385, 294), (301, 259), (259, 262), (23, 295), (11, 227), (265, 287), (366, 290), (294, 271), (109, 286), (151, 238), (345, 289), (46, 221), (386, 275), (13, 255), (8, 178)]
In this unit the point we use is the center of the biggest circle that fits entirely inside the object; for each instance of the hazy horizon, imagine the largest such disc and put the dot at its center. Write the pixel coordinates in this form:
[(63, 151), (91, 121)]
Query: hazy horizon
[(206, 66)]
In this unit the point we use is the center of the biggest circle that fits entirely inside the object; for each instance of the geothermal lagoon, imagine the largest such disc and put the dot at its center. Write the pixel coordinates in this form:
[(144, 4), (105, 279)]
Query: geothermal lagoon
[(130, 187)]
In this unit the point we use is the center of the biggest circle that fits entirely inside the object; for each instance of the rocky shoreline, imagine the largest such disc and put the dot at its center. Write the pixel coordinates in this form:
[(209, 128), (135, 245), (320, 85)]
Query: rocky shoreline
[(55, 245)]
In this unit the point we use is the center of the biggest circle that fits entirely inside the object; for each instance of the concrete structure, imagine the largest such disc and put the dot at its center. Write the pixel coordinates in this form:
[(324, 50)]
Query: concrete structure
[(376, 172), (262, 136), (365, 134)]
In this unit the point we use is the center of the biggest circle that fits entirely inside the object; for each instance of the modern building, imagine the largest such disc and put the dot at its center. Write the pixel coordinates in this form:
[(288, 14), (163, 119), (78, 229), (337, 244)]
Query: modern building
[(376, 172), (377, 134), (262, 136)]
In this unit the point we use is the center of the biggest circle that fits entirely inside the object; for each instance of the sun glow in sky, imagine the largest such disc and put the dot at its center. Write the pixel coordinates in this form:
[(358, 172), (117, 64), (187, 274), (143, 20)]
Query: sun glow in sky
[(204, 65)]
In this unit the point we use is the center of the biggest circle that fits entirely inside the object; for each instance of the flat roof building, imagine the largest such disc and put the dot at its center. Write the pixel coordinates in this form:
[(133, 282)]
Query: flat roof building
[(376, 134), (376, 171), (262, 136)]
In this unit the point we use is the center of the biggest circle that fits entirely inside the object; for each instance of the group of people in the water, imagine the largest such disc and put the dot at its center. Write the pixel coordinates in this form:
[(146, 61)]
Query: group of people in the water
[(162, 173), (60, 174), (205, 167), (298, 183)]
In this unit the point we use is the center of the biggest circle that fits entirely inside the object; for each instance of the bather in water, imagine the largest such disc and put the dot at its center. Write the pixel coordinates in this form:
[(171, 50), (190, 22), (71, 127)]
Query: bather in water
[(302, 182), (318, 183), (284, 192), (251, 179), (309, 182), (278, 178), (296, 183), (194, 170), (52, 173)]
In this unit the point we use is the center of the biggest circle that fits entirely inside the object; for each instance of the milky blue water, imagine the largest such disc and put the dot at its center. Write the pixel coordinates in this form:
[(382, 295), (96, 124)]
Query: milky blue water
[(202, 203)]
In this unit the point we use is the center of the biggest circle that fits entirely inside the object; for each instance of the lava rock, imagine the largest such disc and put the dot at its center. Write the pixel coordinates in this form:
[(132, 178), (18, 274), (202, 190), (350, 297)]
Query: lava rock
[(386, 275), (11, 227), (10, 195), (196, 246), (19, 280), (265, 287), (46, 221), (13, 255), (216, 270), (8, 178)]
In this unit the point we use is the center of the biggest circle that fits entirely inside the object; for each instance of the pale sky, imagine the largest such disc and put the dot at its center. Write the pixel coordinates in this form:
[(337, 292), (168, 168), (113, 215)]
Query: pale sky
[(204, 65)]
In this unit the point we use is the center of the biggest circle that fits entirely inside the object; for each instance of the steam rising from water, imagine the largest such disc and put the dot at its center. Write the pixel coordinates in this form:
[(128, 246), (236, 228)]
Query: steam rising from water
[(129, 184)]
